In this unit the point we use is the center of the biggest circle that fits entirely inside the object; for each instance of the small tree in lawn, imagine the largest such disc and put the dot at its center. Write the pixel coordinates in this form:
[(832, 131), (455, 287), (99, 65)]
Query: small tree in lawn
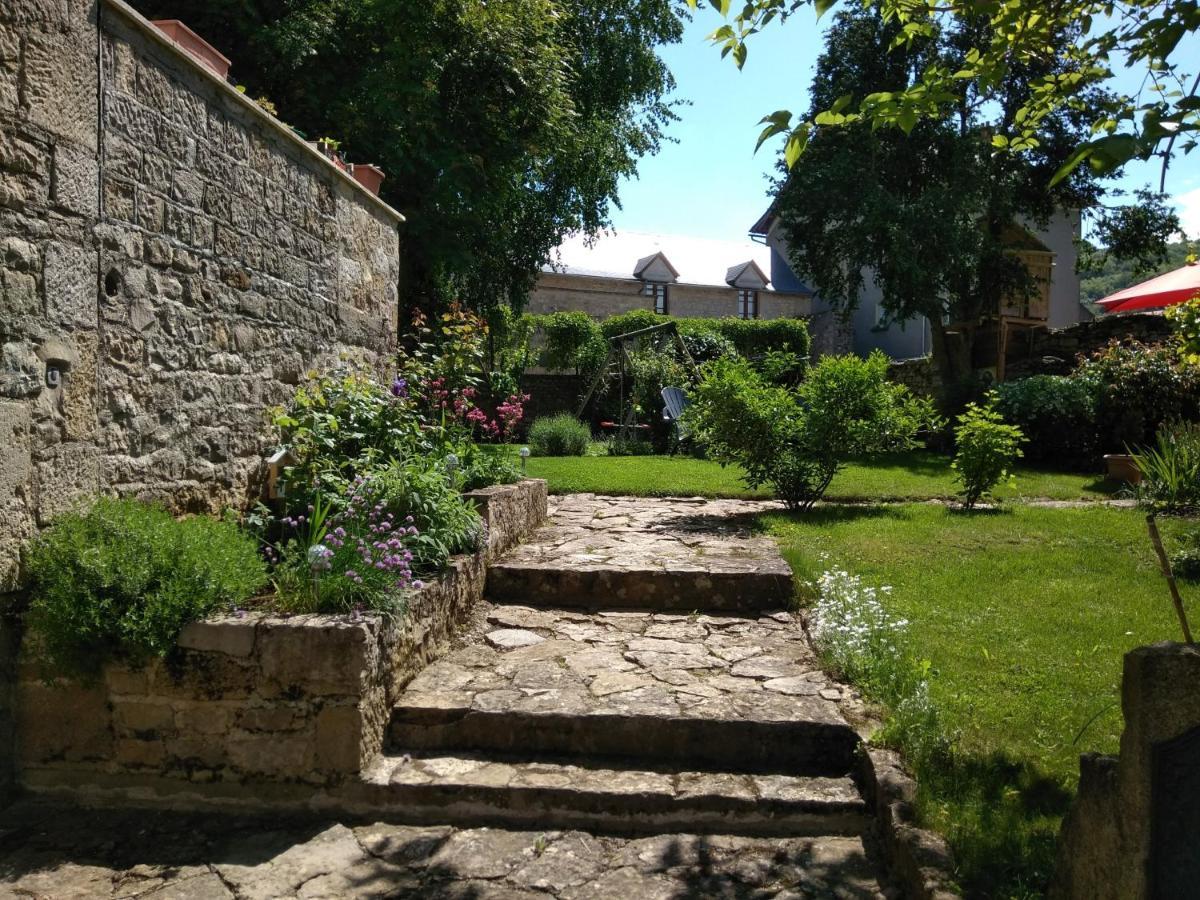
[(987, 449), (797, 439)]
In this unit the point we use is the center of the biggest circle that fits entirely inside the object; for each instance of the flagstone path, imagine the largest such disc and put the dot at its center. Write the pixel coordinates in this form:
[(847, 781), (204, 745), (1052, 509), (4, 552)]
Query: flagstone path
[(636, 714)]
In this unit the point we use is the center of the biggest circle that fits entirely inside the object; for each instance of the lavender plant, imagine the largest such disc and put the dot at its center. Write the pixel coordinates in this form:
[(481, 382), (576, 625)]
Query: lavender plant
[(354, 559)]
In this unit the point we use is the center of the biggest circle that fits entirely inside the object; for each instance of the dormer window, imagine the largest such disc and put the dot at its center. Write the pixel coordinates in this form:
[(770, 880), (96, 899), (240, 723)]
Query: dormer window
[(747, 303), (658, 291)]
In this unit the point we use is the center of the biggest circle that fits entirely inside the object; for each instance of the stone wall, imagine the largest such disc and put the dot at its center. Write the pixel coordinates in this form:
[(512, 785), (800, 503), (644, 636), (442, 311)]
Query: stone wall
[(172, 260), (1131, 833), (1038, 351), (1055, 352), (255, 699)]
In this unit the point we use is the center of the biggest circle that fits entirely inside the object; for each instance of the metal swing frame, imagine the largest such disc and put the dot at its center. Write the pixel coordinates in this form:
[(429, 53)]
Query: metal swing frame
[(618, 352)]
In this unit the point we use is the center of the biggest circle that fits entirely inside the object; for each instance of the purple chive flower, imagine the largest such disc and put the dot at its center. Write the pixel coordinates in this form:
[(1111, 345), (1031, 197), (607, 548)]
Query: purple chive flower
[(400, 388)]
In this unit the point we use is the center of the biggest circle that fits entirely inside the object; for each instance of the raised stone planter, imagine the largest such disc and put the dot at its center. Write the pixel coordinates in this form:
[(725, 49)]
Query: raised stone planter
[(260, 698)]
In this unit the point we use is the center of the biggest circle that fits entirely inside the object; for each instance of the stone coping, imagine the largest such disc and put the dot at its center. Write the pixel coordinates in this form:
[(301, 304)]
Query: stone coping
[(147, 30)]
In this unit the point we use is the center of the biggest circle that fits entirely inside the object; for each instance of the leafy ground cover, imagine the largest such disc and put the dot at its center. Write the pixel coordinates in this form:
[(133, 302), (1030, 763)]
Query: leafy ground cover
[(917, 475), (1024, 616)]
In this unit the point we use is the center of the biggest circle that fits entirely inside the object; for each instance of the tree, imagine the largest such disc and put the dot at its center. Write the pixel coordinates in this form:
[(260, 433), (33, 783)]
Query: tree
[(1160, 119), (931, 214), (501, 124)]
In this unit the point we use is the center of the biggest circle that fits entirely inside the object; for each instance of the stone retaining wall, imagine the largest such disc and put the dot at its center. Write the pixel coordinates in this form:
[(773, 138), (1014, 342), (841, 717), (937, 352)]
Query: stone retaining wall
[(258, 699), (172, 260)]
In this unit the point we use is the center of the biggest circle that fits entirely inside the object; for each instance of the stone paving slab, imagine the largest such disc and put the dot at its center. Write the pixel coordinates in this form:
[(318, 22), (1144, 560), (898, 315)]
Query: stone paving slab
[(741, 694), (51, 852), (644, 553), (473, 790)]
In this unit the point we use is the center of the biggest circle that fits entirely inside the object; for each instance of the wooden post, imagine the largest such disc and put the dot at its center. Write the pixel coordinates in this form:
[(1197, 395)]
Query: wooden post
[(1165, 564)]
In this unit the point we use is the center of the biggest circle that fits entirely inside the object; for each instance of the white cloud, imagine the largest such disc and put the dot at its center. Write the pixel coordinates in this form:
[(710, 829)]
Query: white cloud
[(1187, 205)]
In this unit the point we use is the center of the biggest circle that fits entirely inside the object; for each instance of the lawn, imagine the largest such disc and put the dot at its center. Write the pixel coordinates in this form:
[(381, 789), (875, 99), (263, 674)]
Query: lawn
[(917, 475), (1024, 615)]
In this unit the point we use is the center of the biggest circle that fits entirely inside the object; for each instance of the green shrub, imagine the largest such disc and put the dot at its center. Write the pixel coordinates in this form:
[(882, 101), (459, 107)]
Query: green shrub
[(484, 469), (446, 523), (1139, 388), (634, 320), (629, 446), (120, 580), (1056, 413), (340, 425), (797, 440), (987, 447), (1171, 469), (572, 341), (560, 435), (704, 340), (1185, 561), (754, 337)]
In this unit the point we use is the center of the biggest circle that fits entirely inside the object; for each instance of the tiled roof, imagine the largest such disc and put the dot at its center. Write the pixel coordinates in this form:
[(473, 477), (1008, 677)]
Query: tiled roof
[(618, 254)]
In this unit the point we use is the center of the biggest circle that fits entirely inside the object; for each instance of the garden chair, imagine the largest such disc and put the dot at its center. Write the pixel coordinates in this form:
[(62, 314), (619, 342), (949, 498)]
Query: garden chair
[(675, 401)]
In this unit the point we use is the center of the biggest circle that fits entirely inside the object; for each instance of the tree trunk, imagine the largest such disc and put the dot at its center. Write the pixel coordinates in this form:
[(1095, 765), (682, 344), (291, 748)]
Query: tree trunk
[(952, 353)]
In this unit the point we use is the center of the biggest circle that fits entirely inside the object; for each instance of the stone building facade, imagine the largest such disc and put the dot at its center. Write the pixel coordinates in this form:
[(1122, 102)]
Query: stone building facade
[(172, 260), (679, 276)]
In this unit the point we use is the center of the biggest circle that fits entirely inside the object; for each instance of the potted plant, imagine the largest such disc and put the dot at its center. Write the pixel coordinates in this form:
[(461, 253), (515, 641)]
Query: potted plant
[(330, 149), (368, 175), (1123, 467)]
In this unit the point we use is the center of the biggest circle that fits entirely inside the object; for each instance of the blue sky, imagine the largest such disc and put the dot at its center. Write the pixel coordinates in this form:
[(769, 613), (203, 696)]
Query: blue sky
[(712, 184)]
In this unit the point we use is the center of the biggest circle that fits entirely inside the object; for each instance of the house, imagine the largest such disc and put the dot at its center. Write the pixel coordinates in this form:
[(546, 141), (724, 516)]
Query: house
[(1048, 253), (670, 274)]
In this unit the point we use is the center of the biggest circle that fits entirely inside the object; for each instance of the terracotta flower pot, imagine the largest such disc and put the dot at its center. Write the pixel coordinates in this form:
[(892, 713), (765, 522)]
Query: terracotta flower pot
[(188, 40), (1122, 467), (369, 176)]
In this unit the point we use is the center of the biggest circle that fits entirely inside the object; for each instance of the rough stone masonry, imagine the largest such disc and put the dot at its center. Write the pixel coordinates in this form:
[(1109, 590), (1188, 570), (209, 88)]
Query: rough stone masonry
[(172, 260)]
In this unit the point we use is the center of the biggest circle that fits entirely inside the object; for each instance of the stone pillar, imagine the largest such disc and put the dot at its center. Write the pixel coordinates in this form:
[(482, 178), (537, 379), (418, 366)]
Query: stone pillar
[(1134, 829)]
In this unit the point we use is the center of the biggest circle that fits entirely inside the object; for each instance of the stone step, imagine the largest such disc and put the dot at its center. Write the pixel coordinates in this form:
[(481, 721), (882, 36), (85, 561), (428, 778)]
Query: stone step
[(633, 553), (721, 693), (468, 790), (599, 586)]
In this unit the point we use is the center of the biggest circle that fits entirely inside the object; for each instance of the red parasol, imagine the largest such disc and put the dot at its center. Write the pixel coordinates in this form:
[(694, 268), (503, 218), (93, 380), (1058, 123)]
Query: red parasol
[(1166, 290)]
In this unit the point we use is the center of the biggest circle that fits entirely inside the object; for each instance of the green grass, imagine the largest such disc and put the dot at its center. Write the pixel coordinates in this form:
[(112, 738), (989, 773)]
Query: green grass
[(917, 475), (1024, 615)]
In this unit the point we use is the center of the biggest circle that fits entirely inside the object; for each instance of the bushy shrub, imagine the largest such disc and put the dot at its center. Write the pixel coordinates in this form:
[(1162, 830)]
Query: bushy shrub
[(484, 469), (120, 580), (1056, 413), (572, 341), (628, 446), (704, 340), (1139, 388), (987, 447), (560, 435), (634, 320), (797, 440), (1185, 561), (445, 522), (340, 425), (755, 337), (1171, 469)]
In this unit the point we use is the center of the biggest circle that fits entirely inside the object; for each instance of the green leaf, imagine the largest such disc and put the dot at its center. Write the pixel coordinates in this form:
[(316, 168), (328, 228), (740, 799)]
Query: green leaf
[(739, 55), (907, 119), (796, 144), (823, 6)]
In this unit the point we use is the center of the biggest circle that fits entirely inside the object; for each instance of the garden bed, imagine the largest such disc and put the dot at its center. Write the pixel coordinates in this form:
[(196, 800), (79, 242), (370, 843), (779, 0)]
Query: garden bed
[(255, 698)]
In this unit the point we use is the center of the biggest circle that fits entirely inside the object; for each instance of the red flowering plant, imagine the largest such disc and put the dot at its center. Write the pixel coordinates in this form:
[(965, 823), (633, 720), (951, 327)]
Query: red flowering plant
[(442, 371)]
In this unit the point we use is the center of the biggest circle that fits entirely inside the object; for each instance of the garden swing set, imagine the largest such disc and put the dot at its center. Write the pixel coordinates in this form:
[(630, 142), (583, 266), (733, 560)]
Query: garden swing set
[(618, 363)]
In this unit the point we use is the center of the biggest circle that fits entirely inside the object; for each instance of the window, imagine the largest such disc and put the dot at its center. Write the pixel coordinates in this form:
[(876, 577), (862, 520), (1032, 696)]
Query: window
[(658, 291), (747, 304)]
